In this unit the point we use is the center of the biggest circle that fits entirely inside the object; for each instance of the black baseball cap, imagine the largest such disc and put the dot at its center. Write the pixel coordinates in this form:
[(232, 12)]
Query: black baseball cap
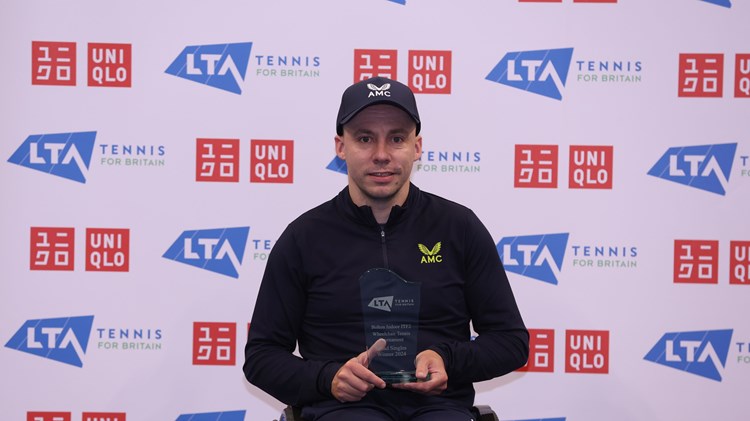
[(377, 90)]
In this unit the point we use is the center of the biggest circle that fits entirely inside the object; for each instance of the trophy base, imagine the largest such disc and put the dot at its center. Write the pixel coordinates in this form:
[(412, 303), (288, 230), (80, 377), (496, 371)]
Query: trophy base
[(403, 376)]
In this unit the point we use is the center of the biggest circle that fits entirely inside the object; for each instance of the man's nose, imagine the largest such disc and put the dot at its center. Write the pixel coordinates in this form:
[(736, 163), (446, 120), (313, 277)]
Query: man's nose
[(381, 150)]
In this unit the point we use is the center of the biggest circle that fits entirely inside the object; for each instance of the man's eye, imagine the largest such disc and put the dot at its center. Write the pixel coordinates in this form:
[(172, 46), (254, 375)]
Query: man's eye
[(398, 139), (365, 139)]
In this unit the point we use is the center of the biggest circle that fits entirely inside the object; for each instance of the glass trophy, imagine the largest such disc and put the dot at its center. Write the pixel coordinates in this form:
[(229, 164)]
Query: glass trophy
[(390, 309)]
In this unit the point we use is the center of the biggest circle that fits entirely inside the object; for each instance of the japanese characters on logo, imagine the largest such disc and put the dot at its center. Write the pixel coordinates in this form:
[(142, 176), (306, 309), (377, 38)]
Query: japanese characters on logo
[(535, 166), (217, 160), (66, 416), (541, 351), (214, 343), (701, 75), (372, 63), (429, 72), (53, 248), (697, 262), (589, 167), (54, 63)]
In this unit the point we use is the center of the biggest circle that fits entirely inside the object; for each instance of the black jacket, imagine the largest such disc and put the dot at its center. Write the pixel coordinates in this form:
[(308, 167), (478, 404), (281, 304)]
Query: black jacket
[(310, 296)]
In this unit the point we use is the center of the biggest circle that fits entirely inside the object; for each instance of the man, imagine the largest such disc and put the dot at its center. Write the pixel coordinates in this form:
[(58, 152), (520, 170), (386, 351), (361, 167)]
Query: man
[(310, 292)]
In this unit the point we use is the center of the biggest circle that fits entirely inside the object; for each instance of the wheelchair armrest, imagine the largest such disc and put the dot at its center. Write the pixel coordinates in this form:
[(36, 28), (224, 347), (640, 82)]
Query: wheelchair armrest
[(485, 413)]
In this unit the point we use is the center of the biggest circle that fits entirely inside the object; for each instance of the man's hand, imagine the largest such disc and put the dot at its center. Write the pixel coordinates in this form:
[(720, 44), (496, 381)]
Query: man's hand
[(431, 362), (353, 380)]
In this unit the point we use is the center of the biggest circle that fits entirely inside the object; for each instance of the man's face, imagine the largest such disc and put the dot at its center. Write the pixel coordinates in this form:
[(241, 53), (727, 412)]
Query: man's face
[(379, 146)]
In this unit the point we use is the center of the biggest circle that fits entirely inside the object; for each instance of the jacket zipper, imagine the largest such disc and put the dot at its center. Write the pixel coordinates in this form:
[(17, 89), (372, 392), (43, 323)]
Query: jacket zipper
[(382, 243)]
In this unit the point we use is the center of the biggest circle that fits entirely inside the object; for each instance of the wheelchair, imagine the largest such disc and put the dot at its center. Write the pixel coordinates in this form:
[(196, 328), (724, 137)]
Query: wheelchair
[(481, 413)]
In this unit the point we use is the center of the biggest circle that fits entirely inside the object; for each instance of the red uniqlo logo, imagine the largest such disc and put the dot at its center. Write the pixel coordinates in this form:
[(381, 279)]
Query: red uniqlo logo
[(217, 160), (541, 351), (107, 249), (536, 166), (109, 65), (48, 416), (701, 75), (587, 351), (696, 262), (103, 416), (271, 161), (371, 63), (590, 167), (430, 72), (739, 263), (742, 76), (52, 248), (53, 63), (214, 343)]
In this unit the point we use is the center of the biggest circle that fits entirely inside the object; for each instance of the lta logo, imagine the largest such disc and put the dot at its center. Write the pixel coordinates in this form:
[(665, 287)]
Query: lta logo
[(537, 256), (213, 416), (65, 155), (723, 3), (543, 72), (337, 165), (704, 167), (63, 339), (221, 66), (217, 250), (702, 353), (382, 303)]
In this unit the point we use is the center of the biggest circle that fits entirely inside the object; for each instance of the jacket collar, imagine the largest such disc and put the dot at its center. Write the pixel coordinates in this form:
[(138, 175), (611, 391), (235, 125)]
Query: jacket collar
[(363, 214)]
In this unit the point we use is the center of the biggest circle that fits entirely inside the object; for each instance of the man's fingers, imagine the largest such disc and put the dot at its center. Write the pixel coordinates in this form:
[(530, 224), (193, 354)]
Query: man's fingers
[(353, 381)]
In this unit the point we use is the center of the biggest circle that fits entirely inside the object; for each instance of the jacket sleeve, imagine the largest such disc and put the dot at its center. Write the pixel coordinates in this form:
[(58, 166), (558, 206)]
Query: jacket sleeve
[(270, 362), (502, 342)]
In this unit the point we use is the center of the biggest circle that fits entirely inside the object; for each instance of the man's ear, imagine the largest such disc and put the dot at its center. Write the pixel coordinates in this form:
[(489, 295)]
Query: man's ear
[(418, 148), (339, 147)]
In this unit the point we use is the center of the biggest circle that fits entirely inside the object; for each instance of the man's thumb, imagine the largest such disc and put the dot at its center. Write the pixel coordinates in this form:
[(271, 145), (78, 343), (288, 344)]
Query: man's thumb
[(372, 352)]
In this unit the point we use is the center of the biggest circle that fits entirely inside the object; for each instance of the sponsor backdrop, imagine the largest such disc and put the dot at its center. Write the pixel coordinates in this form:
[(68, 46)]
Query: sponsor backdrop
[(153, 152)]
